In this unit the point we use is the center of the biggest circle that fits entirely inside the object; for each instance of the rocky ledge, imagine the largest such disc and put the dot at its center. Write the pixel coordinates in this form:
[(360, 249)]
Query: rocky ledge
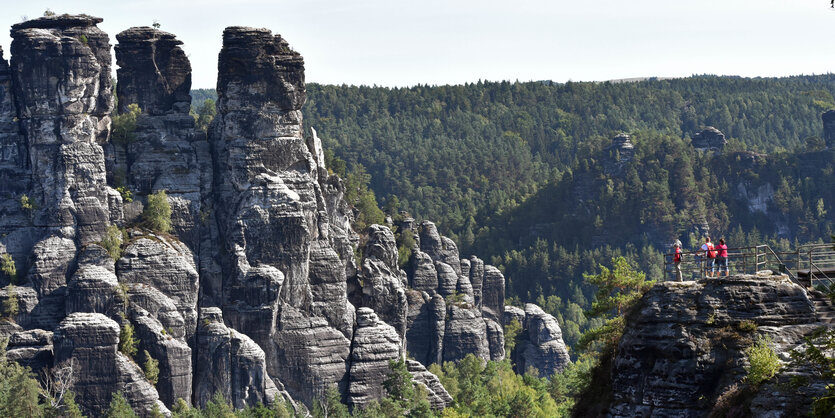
[(684, 346)]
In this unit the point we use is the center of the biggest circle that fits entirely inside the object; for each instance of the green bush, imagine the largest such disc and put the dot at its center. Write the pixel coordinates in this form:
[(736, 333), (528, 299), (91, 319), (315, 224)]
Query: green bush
[(119, 407), (511, 332), (123, 128), (127, 342), (331, 406), (747, 326), (127, 195), (27, 204), (11, 306), (763, 361), (151, 367), (112, 242), (405, 243), (157, 213), (7, 267), (19, 391)]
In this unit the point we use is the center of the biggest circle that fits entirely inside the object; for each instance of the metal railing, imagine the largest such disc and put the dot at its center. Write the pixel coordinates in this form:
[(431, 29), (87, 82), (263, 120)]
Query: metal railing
[(810, 265)]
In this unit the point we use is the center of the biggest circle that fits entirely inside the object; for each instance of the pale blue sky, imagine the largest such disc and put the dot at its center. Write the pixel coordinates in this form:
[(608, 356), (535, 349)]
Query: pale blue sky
[(400, 43)]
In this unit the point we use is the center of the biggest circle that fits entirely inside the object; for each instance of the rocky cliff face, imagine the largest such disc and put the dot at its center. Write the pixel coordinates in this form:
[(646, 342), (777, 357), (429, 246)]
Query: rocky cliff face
[(455, 305), (540, 345), (248, 296), (684, 348), (709, 138), (829, 128)]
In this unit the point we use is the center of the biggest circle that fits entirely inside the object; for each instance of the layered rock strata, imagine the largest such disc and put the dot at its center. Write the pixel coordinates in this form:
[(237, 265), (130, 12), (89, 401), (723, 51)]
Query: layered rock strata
[(540, 345), (248, 295), (685, 345), (455, 306)]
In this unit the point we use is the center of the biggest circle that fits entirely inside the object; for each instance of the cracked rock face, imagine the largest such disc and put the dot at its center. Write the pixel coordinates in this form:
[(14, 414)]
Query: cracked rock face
[(383, 280), (248, 295), (375, 344), (154, 72), (90, 341), (541, 345), (273, 214), (61, 82), (455, 305), (684, 347)]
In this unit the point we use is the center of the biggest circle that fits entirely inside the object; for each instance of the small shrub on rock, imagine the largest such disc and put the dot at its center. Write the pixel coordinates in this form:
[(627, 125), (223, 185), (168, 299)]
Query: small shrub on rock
[(112, 242), (157, 214), (11, 306), (8, 268), (127, 342), (763, 361), (151, 368)]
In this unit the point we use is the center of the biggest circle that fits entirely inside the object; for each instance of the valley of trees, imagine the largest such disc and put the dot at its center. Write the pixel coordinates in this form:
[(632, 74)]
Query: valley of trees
[(516, 172)]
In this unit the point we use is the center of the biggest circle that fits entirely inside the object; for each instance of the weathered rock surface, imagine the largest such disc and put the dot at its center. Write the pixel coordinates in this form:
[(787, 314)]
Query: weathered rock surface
[(229, 363), (31, 348), (541, 345), (382, 279), (438, 396), (375, 343), (168, 266), (469, 321), (60, 70), (829, 128), (684, 346), (709, 138), (90, 341), (153, 71), (174, 356)]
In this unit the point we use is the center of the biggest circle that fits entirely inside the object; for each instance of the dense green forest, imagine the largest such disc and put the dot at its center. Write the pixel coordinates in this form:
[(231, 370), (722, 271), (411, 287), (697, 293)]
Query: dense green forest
[(517, 173)]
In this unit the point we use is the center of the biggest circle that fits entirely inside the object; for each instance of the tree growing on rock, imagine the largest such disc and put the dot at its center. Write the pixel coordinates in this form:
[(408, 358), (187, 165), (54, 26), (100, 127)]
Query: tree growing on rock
[(618, 290), (11, 306), (127, 342), (123, 127), (7, 267), (157, 214), (119, 407)]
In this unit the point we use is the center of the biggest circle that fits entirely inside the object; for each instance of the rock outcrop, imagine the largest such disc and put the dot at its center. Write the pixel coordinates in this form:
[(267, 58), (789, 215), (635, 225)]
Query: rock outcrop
[(540, 345), (89, 342), (619, 153), (271, 212), (709, 138), (684, 347), (375, 344), (256, 291), (438, 396), (828, 118)]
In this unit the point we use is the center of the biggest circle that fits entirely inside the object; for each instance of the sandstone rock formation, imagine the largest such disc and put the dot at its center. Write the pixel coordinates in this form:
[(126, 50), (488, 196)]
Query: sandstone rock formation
[(829, 128), (256, 292), (709, 138), (540, 343), (685, 345), (620, 152)]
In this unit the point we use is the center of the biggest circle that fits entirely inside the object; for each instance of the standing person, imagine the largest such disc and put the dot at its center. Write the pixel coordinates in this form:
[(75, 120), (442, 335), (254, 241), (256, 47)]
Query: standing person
[(677, 260), (710, 255), (722, 258)]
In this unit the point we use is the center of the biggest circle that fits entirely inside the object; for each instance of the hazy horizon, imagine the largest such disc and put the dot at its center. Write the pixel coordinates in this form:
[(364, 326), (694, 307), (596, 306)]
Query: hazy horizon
[(385, 43)]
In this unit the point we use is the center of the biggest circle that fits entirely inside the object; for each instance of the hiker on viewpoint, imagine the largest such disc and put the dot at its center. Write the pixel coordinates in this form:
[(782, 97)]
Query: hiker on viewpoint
[(722, 258), (677, 259), (710, 255)]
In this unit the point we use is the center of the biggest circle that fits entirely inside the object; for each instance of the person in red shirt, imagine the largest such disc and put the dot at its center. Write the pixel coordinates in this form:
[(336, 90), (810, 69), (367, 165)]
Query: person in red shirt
[(677, 260), (709, 253), (722, 257)]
